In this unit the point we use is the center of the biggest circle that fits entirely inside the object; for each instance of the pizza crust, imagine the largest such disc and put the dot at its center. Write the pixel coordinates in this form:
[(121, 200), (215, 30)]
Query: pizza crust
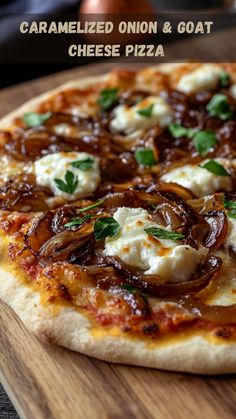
[(70, 329), (32, 104)]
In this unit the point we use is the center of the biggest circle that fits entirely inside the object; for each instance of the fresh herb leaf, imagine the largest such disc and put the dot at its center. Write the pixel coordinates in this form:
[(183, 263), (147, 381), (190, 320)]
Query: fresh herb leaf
[(89, 207), (74, 222), (224, 79), (152, 206), (178, 131), (106, 227), (232, 214), (145, 156), (146, 112), (108, 98), (68, 185), (83, 164), (220, 107), (33, 119), (204, 141), (230, 204), (163, 234), (129, 288), (214, 167)]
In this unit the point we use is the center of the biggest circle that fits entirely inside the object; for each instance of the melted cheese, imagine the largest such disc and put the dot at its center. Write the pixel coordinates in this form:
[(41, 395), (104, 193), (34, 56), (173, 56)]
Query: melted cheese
[(200, 181), (128, 119), (169, 259), (10, 168), (54, 166), (205, 77), (230, 240), (233, 91)]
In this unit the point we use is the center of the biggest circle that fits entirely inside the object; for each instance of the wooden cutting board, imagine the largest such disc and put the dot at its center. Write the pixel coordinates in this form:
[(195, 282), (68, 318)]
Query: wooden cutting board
[(45, 382)]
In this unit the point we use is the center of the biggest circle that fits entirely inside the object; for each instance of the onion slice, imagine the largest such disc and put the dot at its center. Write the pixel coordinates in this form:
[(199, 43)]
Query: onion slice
[(60, 247)]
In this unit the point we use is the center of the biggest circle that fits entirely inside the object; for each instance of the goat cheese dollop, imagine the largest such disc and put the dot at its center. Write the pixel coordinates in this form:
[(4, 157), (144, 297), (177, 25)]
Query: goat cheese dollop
[(169, 259), (55, 166)]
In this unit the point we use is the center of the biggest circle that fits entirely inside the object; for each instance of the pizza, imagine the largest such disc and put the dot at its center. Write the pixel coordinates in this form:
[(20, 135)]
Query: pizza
[(118, 216)]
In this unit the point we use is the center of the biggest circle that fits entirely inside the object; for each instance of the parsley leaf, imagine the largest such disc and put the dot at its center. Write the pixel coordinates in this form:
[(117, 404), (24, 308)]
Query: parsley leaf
[(89, 207), (178, 131), (83, 164), (145, 156), (224, 79), (129, 288), (163, 234), (108, 98), (232, 214), (232, 206), (74, 222), (204, 141), (219, 106), (68, 185), (33, 119), (106, 227), (147, 112), (216, 168)]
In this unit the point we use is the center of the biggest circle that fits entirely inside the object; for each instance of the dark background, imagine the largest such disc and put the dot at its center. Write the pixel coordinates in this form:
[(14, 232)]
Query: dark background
[(11, 46)]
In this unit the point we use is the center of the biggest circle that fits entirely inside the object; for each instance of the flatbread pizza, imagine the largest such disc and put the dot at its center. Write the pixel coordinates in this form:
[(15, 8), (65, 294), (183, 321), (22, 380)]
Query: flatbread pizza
[(118, 216)]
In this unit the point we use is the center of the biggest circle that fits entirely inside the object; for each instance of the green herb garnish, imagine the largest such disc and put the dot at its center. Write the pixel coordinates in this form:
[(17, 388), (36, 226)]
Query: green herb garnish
[(89, 207), (69, 184), (219, 106), (216, 168), (163, 234), (232, 214), (146, 112), (129, 288), (224, 79), (204, 141), (33, 119), (74, 222), (232, 206), (83, 164), (145, 156), (108, 98), (178, 131), (106, 227)]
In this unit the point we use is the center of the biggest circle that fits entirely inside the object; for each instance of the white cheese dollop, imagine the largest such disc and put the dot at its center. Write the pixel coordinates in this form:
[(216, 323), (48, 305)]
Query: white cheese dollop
[(127, 119), (230, 240), (233, 91), (200, 181), (54, 166), (205, 77), (169, 259)]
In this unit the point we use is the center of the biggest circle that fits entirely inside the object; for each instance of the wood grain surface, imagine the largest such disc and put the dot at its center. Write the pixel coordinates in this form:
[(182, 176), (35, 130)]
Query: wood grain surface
[(46, 382)]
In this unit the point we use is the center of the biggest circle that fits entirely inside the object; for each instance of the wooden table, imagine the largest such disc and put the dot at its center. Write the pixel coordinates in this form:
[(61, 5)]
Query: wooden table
[(45, 382)]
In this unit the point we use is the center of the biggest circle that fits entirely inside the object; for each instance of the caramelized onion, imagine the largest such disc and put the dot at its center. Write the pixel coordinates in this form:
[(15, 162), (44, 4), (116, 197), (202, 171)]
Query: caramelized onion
[(24, 195), (208, 203), (221, 315), (149, 283), (60, 247), (39, 232), (180, 191), (61, 217), (217, 221), (210, 231)]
